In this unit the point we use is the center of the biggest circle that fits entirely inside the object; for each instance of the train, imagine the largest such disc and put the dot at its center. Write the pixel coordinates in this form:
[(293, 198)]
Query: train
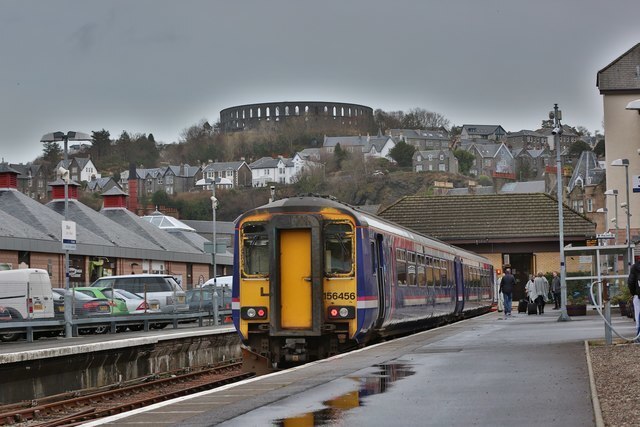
[(314, 277)]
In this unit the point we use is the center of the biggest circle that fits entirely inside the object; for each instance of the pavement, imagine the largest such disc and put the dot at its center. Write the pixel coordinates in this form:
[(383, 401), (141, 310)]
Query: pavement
[(527, 370)]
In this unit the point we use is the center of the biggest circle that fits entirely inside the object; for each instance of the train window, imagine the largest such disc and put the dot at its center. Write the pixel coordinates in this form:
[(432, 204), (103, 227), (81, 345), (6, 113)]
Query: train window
[(255, 245), (374, 258), (401, 267), (421, 277), (411, 269), (338, 248)]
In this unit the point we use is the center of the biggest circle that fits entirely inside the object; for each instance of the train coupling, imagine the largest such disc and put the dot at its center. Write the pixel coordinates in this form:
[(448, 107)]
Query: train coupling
[(295, 350)]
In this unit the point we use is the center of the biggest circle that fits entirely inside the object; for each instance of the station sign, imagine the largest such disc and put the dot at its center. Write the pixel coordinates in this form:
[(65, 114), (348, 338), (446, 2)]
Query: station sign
[(636, 183), (68, 235), (606, 235)]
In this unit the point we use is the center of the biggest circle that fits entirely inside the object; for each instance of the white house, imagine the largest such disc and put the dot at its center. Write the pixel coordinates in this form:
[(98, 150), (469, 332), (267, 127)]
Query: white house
[(280, 170)]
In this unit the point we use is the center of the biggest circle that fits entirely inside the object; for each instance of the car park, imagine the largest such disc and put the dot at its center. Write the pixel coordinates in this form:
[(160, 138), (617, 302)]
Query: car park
[(83, 304), (161, 287)]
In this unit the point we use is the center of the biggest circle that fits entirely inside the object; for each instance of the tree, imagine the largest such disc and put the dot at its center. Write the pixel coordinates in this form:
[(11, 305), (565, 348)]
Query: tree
[(465, 160), (402, 153), (339, 156), (485, 181), (578, 147), (384, 120), (599, 149), (419, 118), (101, 144), (51, 152)]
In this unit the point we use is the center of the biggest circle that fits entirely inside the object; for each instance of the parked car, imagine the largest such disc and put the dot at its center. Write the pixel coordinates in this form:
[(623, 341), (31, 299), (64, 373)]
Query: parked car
[(83, 304), (161, 287), (117, 304), (201, 299), (136, 304), (26, 293)]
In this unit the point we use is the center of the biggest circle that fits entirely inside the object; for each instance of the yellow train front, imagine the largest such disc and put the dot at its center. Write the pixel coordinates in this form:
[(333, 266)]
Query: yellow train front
[(314, 277)]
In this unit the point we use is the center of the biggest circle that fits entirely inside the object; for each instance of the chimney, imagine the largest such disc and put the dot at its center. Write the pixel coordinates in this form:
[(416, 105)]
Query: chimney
[(133, 189), (114, 198), (57, 189), (8, 176)]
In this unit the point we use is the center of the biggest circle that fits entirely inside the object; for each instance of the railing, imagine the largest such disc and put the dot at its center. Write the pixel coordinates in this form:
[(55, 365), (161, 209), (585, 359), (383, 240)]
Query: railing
[(29, 327)]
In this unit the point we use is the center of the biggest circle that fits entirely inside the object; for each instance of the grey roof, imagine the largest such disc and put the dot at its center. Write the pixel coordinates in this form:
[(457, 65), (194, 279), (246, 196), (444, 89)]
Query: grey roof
[(146, 230), (481, 129), (223, 166), (476, 190), (523, 187), (486, 150), (270, 163), (99, 183), (206, 227), (114, 191), (4, 167), (29, 215), (587, 171), (525, 132), (310, 154), (101, 225), (420, 133), (621, 73), (346, 141)]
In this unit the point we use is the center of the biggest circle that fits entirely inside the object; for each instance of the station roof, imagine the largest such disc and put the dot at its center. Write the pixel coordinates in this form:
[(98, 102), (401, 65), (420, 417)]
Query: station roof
[(461, 219)]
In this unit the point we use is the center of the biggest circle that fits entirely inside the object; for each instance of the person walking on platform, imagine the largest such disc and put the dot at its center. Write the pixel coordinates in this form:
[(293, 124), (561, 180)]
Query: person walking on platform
[(555, 290), (540, 291), (634, 289), (529, 287), (507, 284)]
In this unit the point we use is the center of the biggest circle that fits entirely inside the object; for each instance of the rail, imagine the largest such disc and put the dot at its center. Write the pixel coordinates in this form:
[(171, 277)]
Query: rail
[(31, 327)]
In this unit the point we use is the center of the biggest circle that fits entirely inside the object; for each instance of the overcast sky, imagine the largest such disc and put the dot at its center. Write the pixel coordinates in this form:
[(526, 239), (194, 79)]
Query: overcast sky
[(161, 66)]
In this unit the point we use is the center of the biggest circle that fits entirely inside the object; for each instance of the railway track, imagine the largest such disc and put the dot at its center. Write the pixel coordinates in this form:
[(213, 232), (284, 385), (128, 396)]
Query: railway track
[(70, 410)]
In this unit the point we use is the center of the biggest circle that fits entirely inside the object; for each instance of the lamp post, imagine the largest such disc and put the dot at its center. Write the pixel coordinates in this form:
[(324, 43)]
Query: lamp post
[(625, 163), (556, 116), (614, 193), (67, 245)]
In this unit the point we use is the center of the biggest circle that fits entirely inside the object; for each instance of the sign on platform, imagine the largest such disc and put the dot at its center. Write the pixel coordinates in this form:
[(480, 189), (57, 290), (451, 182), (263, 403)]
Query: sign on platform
[(68, 235), (636, 183)]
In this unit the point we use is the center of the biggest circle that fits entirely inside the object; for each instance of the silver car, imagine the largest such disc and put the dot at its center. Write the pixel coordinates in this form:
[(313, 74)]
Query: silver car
[(160, 287)]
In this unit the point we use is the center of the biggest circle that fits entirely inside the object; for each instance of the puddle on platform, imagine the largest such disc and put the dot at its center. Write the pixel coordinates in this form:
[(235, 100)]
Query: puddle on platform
[(334, 409)]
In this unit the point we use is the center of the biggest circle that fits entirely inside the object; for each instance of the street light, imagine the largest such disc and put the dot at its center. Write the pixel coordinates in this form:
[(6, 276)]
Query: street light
[(625, 206), (614, 193), (57, 137), (556, 116)]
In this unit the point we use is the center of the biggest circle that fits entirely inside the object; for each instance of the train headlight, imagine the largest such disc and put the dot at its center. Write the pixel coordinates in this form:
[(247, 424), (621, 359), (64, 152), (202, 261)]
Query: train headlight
[(341, 312), (253, 313)]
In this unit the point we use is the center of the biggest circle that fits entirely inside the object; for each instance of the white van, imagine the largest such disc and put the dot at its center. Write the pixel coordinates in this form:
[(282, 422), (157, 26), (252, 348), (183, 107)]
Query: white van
[(26, 293)]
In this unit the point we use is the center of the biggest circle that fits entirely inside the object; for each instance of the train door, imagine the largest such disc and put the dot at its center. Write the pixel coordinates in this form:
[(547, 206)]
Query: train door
[(295, 279), (296, 276), (459, 281), (379, 277)]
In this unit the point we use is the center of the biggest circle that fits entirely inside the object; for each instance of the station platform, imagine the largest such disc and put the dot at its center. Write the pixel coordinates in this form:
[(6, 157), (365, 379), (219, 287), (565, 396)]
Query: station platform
[(528, 370)]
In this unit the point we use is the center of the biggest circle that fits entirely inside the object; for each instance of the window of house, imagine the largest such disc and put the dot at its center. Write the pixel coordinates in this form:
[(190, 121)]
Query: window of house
[(159, 180), (442, 167), (589, 205), (441, 156), (169, 179)]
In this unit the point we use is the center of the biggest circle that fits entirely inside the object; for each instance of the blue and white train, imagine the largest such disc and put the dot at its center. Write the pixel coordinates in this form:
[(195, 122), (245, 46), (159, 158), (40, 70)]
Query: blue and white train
[(314, 277)]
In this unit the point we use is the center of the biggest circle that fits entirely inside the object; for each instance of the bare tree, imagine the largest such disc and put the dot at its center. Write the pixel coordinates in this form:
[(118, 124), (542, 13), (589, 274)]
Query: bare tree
[(419, 118)]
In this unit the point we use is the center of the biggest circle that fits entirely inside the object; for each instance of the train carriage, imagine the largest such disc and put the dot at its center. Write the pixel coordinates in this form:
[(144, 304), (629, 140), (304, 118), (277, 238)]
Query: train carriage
[(314, 277)]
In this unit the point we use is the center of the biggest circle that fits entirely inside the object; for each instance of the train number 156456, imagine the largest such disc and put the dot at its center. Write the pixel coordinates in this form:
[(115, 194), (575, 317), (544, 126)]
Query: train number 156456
[(350, 296)]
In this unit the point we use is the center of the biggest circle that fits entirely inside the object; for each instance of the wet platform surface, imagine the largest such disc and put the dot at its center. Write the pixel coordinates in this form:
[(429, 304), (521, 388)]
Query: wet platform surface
[(525, 371)]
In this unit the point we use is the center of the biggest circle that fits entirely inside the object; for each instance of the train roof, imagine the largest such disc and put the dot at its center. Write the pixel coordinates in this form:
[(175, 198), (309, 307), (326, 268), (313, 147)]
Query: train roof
[(315, 202)]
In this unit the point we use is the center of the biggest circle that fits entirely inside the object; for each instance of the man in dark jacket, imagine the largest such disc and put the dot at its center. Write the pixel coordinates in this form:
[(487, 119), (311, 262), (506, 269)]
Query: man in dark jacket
[(507, 284), (632, 282), (556, 287)]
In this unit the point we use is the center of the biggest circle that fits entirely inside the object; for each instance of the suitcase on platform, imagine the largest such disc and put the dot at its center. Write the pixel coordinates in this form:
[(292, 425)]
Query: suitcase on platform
[(532, 308), (522, 306)]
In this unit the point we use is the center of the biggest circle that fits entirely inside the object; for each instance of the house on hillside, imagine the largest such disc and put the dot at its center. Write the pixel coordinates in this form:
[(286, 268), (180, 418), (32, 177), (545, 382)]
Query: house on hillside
[(170, 179), (531, 164), (435, 160), (31, 180), (585, 190), (526, 139), (371, 147), (81, 169), (479, 132), (239, 173), (493, 160), (429, 139), (280, 170), (100, 185)]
